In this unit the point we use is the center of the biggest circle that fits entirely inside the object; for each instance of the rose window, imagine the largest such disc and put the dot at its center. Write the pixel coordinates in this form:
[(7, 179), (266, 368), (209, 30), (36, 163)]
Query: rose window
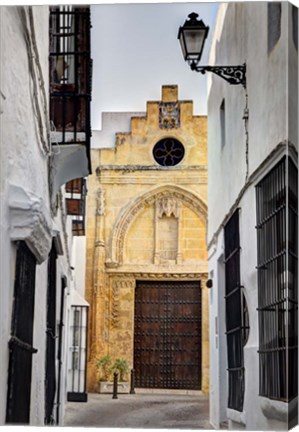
[(168, 152)]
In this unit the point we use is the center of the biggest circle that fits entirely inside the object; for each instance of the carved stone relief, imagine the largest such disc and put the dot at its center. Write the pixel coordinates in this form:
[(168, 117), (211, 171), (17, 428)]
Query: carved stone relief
[(100, 197), (168, 199), (116, 287), (115, 305), (167, 222), (167, 206)]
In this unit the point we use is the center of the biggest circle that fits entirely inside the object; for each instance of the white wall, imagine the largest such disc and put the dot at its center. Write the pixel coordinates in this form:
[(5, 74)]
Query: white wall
[(112, 122), (241, 36), (25, 211), (79, 263), (23, 163)]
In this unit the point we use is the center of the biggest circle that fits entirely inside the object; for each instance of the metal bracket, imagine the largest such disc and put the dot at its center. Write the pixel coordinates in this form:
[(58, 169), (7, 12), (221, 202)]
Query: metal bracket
[(233, 74)]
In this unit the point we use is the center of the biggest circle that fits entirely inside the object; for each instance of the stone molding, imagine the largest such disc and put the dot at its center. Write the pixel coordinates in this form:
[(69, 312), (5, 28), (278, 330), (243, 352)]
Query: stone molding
[(128, 214), (133, 168), (131, 277), (30, 221)]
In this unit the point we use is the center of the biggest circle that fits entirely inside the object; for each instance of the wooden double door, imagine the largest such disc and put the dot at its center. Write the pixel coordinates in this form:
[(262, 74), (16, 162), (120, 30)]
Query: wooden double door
[(167, 335)]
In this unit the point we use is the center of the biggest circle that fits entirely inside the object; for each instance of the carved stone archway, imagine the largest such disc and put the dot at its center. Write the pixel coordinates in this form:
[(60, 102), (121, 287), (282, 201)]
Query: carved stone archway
[(130, 212)]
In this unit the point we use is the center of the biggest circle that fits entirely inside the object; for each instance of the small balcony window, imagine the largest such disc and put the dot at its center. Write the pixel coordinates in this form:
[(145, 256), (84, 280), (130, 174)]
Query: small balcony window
[(75, 204)]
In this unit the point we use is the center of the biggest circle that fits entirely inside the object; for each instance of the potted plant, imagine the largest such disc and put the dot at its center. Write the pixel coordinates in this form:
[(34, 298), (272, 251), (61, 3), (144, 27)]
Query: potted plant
[(107, 367), (103, 364), (122, 368)]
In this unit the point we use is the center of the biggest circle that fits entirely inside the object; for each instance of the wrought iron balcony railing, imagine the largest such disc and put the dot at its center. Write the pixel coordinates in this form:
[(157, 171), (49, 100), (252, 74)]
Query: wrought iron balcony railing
[(70, 77)]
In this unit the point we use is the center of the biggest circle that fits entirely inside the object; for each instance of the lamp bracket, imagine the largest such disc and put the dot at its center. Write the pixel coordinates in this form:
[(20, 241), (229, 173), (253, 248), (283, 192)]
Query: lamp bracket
[(232, 74)]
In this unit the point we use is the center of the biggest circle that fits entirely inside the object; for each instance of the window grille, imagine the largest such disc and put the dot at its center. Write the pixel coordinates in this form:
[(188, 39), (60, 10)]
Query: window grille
[(70, 76), (50, 381), (59, 350), (78, 355), (237, 325), (20, 343), (277, 204)]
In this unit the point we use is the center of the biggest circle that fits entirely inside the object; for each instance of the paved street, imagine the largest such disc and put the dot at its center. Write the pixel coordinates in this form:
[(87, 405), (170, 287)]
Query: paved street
[(140, 411)]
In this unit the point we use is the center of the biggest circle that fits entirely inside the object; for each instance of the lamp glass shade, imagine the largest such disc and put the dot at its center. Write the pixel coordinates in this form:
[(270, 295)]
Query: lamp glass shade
[(192, 36)]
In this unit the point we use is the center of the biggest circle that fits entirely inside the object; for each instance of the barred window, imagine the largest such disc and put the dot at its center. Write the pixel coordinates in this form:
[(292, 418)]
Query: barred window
[(237, 322), (78, 355), (20, 343), (277, 205)]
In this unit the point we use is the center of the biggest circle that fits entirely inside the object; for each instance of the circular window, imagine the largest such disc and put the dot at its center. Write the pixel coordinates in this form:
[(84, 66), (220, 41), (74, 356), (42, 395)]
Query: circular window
[(168, 152)]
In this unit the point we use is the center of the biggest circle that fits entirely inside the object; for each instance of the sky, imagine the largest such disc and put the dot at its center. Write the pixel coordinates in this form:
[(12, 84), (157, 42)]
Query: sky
[(135, 51)]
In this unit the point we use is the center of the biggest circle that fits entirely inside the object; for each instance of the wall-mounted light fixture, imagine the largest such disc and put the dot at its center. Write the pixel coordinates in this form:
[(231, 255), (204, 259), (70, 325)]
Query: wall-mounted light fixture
[(192, 36), (209, 283)]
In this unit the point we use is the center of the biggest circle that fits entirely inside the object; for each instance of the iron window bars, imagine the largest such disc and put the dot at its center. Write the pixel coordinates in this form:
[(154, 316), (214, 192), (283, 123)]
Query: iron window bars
[(78, 355), (70, 75), (277, 217), (50, 379), (20, 343), (237, 326)]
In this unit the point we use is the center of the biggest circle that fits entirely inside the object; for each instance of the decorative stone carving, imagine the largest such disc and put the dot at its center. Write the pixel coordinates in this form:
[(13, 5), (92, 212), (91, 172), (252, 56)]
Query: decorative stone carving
[(128, 214), (117, 285), (115, 305), (106, 320), (30, 221), (169, 115), (100, 196), (167, 229), (168, 276), (167, 206)]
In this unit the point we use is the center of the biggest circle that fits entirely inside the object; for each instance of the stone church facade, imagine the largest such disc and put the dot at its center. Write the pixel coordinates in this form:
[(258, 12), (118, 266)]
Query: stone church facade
[(146, 267)]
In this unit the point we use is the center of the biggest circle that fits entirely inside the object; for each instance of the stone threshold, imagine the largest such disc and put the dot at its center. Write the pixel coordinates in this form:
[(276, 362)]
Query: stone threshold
[(168, 391)]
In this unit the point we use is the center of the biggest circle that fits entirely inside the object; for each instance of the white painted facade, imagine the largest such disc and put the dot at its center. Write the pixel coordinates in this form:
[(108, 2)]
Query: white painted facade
[(112, 122), (26, 212), (235, 167)]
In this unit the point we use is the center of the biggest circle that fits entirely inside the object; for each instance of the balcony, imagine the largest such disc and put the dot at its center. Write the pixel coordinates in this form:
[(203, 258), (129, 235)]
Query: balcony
[(70, 93)]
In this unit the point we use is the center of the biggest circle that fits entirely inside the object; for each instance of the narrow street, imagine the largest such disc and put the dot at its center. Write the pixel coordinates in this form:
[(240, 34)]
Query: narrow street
[(154, 411)]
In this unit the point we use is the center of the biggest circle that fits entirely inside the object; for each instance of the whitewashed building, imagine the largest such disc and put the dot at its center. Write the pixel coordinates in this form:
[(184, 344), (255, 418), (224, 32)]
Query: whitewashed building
[(41, 212), (252, 223)]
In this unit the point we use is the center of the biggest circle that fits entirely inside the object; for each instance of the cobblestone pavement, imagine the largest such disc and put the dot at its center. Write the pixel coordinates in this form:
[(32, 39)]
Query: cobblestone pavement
[(156, 411)]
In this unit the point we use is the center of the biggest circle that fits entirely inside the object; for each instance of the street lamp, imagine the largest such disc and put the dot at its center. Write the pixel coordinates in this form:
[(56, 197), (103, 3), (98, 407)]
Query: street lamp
[(192, 36)]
